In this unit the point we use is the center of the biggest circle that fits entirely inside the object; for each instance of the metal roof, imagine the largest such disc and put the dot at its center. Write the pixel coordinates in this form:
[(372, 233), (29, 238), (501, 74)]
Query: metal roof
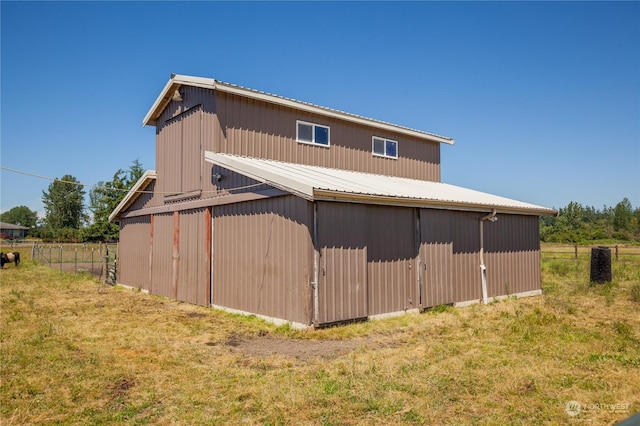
[(4, 225), (321, 183), (176, 81)]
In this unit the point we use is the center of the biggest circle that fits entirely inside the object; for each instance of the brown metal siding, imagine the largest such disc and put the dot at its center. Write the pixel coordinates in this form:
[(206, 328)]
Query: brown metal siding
[(263, 257), (391, 256), (436, 258), (133, 252), (148, 198), (192, 278), (465, 233), (512, 255), (258, 129), (184, 131), (342, 287), (162, 256)]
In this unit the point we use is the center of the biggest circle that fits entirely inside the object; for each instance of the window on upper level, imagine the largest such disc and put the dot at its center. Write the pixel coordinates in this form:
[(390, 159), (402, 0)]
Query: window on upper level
[(384, 147), (311, 133)]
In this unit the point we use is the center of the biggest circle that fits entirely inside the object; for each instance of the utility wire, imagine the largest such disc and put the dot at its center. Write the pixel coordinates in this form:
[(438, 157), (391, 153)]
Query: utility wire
[(120, 189)]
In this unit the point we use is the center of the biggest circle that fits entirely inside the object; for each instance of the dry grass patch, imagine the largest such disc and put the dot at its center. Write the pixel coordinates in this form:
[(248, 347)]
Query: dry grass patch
[(75, 351)]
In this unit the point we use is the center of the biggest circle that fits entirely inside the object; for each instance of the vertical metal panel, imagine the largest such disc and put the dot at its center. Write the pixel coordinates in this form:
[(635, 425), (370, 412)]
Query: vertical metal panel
[(512, 254), (133, 256), (391, 255), (162, 254), (192, 278), (465, 232), (148, 198), (192, 154), (263, 257), (258, 129), (342, 291), (436, 258)]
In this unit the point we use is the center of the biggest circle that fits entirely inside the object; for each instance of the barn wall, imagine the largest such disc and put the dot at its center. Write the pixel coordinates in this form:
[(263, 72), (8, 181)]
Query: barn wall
[(342, 287), (465, 234), (391, 258), (436, 258), (133, 252), (148, 198), (258, 129), (263, 257), (183, 131), (512, 255), (162, 259), (193, 261)]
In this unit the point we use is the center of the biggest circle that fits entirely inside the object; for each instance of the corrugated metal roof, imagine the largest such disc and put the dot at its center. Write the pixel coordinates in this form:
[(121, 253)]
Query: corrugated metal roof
[(176, 81), (321, 183)]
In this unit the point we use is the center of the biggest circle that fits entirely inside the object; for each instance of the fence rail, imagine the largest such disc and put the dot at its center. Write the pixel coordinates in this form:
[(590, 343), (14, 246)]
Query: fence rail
[(618, 251), (97, 259)]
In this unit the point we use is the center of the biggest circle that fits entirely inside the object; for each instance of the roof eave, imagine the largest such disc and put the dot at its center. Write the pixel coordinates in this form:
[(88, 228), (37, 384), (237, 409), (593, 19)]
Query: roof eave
[(327, 195)]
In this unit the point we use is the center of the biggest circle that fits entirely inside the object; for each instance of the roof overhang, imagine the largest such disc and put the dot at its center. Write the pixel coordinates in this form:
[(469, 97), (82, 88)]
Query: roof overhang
[(176, 81), (137, 189), (324, 184)]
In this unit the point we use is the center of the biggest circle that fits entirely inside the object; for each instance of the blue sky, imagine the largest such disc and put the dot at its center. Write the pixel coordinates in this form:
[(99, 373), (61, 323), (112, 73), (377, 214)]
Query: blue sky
[(542, 98)]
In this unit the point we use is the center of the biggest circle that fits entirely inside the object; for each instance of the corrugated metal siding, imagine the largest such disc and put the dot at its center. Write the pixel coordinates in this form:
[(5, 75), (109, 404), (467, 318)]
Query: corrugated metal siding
[(133, 252), (342, 288), (162, 260), (391, 256), (465, 232), (183, 131), (512, 255), (192, 278), (436, 258), (263, 257), (257, 129), (149, 198)]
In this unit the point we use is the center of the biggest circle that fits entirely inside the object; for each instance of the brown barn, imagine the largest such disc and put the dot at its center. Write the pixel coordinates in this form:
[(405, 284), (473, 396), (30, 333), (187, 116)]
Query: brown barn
[(303, 214)]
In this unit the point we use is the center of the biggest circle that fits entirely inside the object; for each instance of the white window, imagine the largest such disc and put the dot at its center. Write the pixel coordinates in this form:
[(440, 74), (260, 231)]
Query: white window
[(384, 147), (312, 133)]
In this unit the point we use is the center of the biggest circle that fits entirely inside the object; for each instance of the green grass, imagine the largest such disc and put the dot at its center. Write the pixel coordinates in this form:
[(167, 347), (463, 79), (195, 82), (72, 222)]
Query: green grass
[(75, 351)]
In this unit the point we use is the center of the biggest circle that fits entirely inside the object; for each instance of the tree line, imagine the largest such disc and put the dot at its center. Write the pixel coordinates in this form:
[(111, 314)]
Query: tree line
[(67, 218), (580, 224)]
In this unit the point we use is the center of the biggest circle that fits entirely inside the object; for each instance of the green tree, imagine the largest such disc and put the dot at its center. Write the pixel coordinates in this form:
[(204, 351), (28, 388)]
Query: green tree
[(64, 204), (20, 215), (622, 215)]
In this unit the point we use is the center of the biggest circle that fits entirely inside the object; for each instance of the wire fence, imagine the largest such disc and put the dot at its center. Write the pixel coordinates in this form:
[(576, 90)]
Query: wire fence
[(97, 259)]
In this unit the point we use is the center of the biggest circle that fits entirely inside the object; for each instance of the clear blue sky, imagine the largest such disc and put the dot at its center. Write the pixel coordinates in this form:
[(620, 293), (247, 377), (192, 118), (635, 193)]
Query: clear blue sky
[(542, 98)]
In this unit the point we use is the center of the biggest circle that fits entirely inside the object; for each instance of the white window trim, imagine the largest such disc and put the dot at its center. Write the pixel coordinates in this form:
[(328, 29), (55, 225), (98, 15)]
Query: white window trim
[(313, 134), (385, 140)]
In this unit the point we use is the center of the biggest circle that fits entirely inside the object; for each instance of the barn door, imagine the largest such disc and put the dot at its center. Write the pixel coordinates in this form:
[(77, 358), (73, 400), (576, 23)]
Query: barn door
[(436, 258), (342, 289)]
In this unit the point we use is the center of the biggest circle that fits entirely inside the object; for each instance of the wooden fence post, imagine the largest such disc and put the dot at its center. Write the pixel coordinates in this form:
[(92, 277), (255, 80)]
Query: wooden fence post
[(575, 247)]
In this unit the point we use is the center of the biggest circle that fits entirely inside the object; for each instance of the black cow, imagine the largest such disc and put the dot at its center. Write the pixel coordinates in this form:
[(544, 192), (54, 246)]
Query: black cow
[(9, 257)]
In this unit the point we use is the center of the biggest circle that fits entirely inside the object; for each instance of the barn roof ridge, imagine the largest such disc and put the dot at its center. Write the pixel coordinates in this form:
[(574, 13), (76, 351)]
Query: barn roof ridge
[(177, 80)]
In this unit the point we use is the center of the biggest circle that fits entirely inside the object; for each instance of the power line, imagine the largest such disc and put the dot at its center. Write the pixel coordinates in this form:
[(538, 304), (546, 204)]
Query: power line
[(120, 189)]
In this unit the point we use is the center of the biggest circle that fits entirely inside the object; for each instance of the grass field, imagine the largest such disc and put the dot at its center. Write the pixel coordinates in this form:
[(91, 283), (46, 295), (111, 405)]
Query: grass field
[(74, 351)]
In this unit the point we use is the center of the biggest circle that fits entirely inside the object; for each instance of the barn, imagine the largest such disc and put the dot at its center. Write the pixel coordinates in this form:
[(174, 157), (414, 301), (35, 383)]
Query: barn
[(307, 215)]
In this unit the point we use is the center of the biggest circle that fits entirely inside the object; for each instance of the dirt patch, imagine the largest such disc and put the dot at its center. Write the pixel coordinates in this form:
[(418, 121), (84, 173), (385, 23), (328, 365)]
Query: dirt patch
[(268, 345)]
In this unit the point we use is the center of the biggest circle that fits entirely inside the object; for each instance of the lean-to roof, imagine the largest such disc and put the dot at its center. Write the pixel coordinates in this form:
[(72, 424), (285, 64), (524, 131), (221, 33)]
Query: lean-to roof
[(321, 183)]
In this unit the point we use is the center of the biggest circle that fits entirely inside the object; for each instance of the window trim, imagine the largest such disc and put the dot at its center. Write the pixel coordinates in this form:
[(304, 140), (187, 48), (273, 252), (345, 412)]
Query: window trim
[(385, 140), (313, 134)]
